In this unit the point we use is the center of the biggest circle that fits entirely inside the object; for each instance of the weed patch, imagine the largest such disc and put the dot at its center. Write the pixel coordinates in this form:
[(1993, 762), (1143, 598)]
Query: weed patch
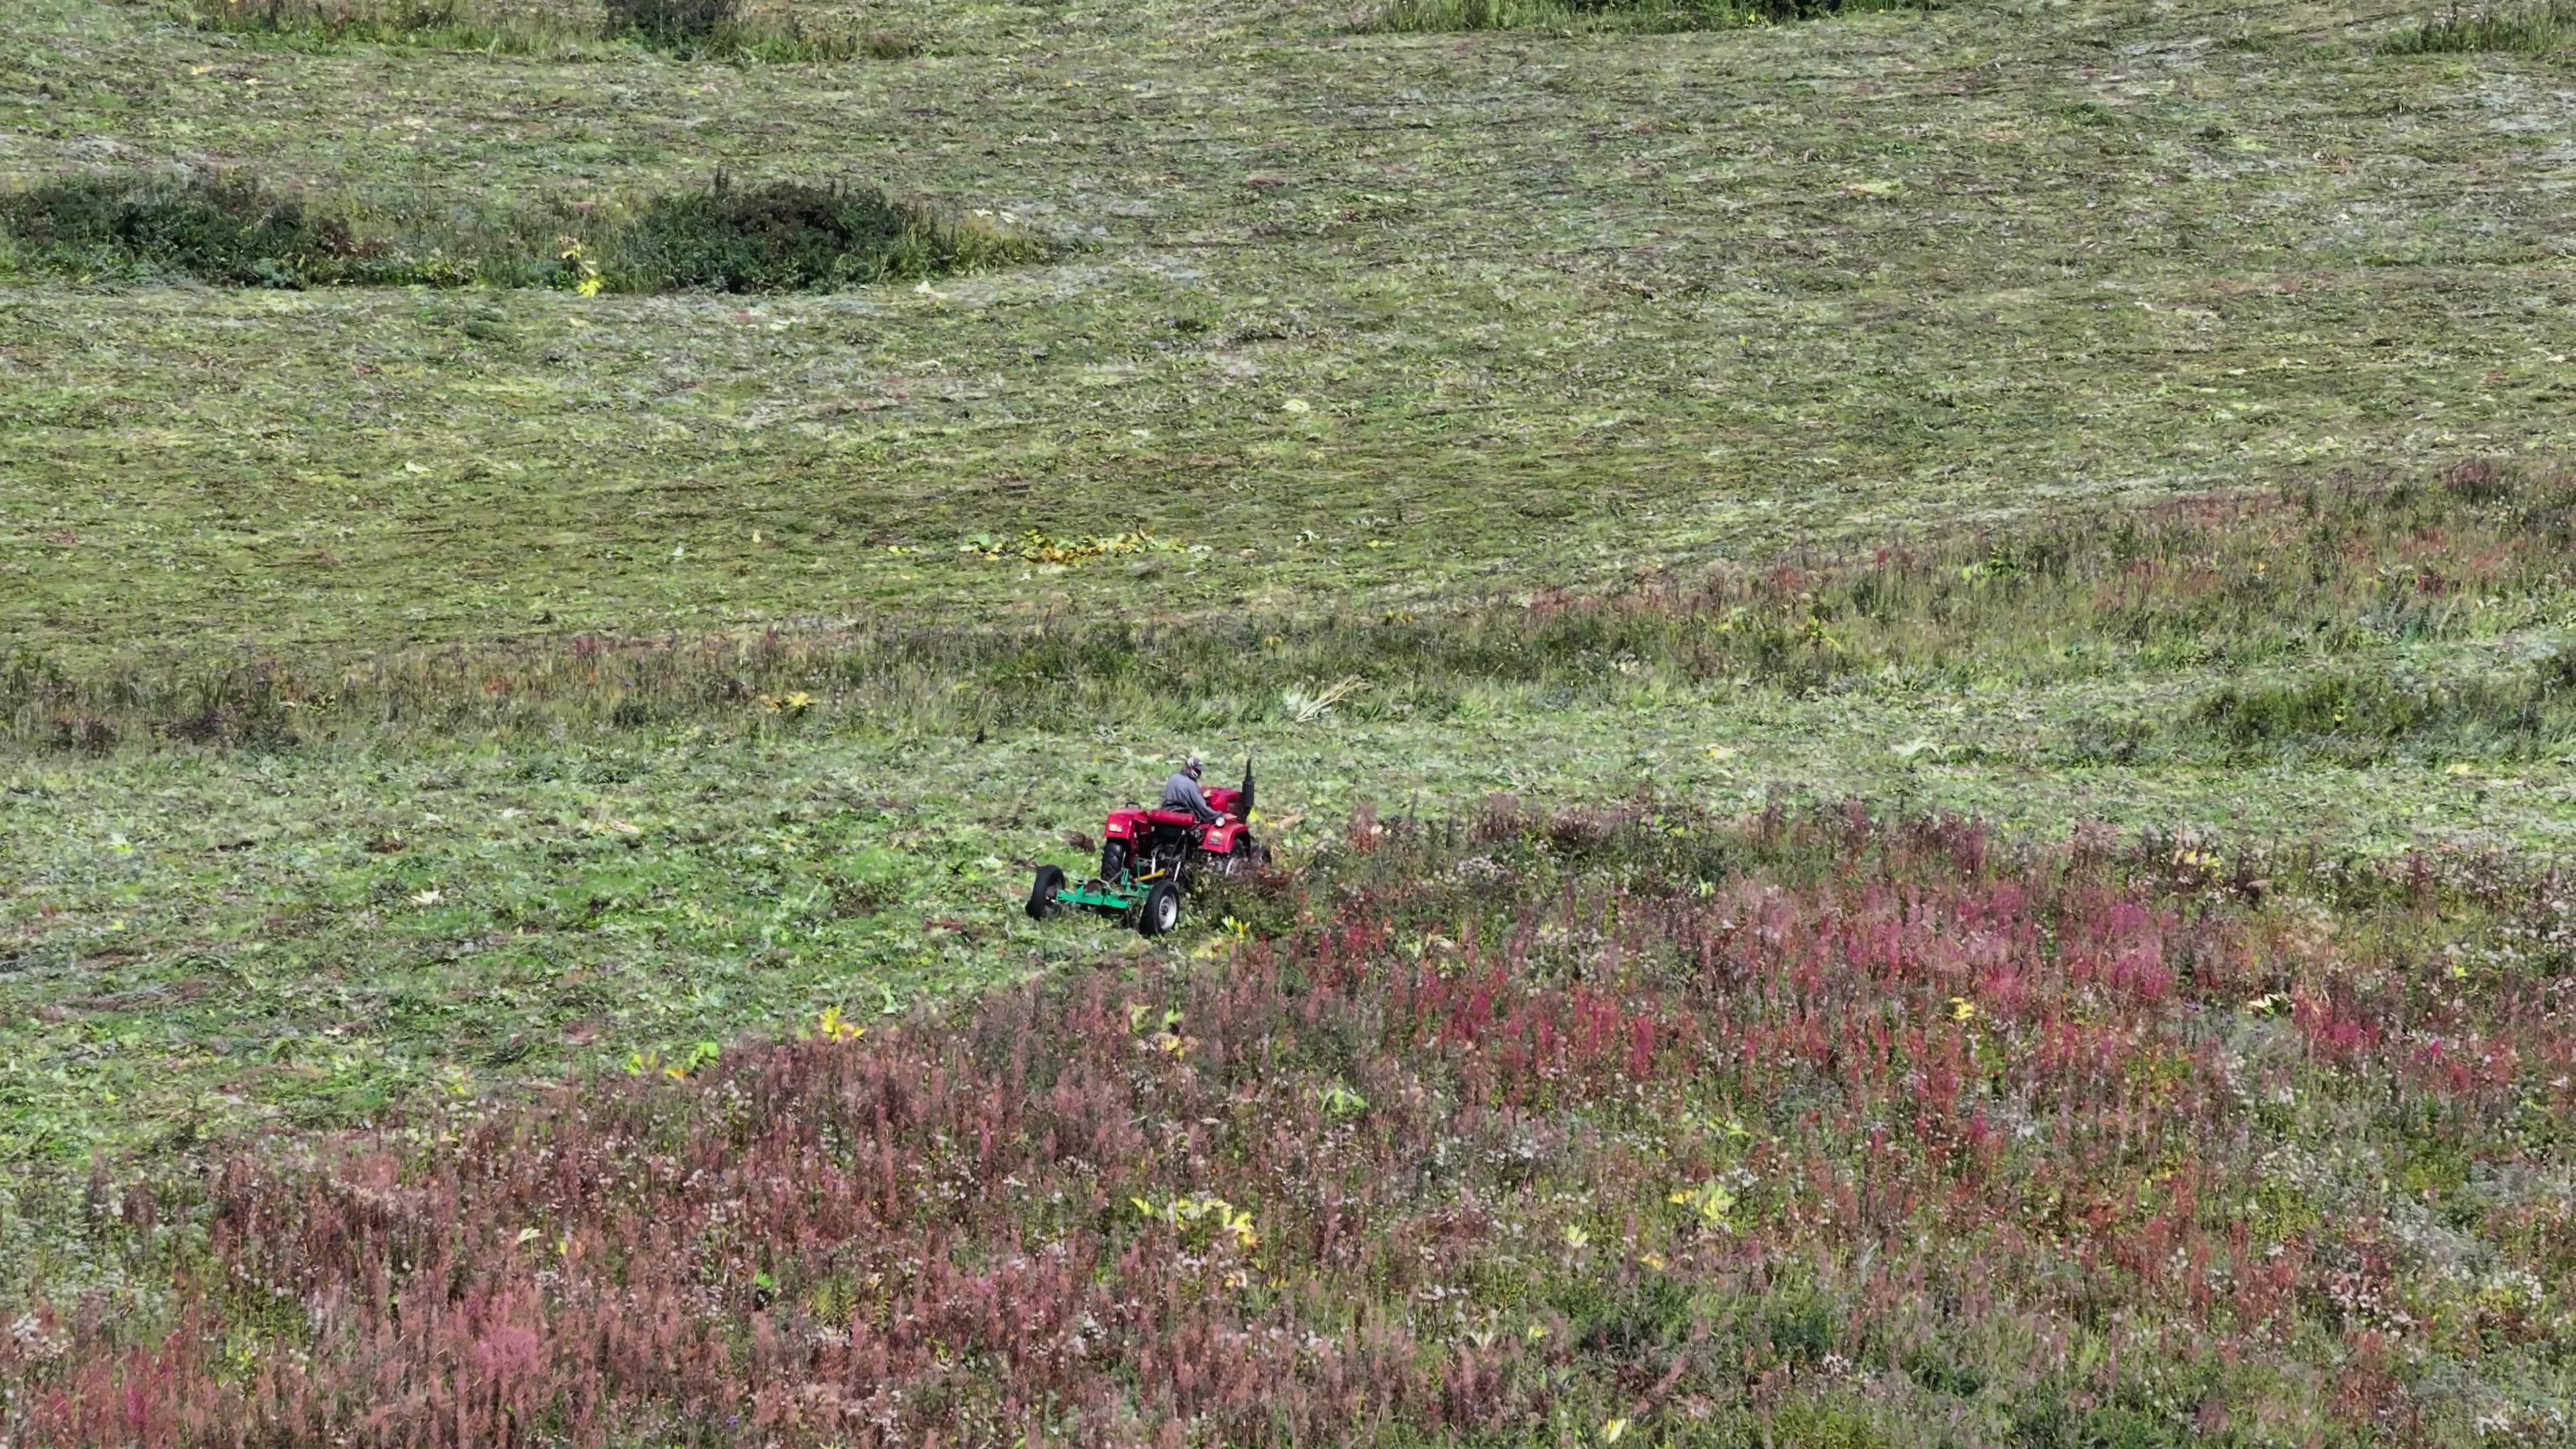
[(1435, 1164)]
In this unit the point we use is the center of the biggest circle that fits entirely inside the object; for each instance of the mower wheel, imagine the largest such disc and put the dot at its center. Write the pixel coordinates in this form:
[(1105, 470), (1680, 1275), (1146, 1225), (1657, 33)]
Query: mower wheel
[(1113, 861), (1161, 913), (1042, 894)]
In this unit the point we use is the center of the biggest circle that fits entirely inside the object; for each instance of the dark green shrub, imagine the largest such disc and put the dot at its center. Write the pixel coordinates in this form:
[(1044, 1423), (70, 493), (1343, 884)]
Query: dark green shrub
[(669, 21), (227, 230), (791, 236)]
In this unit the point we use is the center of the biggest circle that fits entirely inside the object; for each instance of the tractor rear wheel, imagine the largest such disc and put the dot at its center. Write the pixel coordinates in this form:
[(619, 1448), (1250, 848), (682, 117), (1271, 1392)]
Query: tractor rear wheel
[(1113, 861), (1162, 910), (1042, 894)]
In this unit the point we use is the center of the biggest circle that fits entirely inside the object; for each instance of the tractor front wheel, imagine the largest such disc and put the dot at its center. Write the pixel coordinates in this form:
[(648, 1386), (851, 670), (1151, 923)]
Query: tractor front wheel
[(1042, 894), (1161, 914), (1113, 861)]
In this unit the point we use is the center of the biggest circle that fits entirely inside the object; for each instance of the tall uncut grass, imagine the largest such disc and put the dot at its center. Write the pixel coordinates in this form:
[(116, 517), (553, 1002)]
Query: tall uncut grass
[(1629, 15), (497, 26), (234, 230), (776, 30), (1800, 1131), (2295, 596), (2529, 27)]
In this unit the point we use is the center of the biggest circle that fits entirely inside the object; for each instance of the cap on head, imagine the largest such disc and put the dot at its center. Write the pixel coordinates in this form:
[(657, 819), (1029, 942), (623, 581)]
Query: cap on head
[(1195, 765)]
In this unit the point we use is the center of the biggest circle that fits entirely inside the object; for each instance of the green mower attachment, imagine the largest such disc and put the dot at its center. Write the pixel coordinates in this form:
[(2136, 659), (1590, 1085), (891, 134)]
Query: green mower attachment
[(1151, 903), (1102, 896)]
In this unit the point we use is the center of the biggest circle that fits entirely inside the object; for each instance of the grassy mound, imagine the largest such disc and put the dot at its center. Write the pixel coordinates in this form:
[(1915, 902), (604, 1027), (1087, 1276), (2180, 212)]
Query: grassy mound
[(236, 231), (1635, 15), (1811, 1131)]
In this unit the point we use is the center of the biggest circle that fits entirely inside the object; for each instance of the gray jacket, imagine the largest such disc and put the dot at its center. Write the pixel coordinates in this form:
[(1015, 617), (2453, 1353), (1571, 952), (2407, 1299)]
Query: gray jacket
[(1182, 793)]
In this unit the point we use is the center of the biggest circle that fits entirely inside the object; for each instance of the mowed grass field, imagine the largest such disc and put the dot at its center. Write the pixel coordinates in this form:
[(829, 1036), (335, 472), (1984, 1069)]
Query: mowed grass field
[(1364, 317), (1582, 467)]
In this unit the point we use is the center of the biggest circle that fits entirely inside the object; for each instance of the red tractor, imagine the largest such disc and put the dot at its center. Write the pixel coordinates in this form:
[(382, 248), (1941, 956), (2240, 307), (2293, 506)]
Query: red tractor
[(1150, 858)]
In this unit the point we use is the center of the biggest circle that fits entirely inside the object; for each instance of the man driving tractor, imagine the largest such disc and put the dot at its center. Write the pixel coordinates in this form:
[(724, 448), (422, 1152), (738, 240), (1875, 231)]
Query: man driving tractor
[(1148, 857), (1181, 792)]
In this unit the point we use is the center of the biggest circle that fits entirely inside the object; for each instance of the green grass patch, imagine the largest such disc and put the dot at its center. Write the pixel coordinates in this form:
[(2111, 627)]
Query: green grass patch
[(233, 230), (2352, 717), (1651, 16), (2522, 27)]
